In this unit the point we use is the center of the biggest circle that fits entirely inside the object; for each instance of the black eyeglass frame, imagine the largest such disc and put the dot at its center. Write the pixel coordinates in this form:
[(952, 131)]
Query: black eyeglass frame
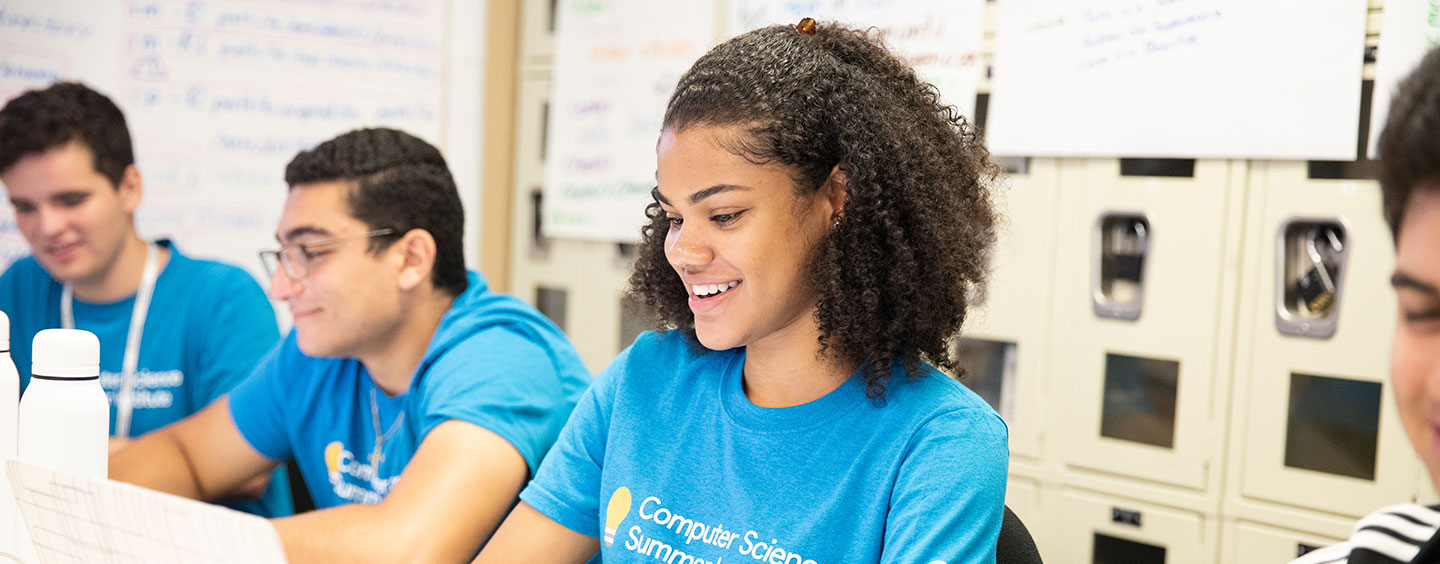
[(296, 257)]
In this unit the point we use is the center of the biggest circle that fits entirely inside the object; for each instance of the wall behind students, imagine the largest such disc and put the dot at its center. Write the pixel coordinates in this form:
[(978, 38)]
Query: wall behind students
[(1184, 78), (219, 95)]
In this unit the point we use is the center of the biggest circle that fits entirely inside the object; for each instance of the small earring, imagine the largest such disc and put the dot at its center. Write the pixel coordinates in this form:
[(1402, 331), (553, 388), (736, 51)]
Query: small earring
[(835, 224)]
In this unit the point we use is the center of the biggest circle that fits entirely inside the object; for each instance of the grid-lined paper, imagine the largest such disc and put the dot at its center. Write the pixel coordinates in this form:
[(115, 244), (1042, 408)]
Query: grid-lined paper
[(83, 520)]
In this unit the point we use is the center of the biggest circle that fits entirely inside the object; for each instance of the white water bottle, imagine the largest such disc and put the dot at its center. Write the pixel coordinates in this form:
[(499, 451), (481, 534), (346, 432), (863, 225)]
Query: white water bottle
[(9, 427), (64, 416)]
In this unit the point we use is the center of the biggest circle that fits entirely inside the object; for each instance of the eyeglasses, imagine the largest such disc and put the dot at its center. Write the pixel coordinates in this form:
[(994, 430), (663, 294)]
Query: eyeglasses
[(295, 259)]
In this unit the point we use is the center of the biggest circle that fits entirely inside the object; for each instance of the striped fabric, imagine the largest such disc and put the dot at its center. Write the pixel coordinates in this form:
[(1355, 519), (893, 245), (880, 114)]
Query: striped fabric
[(1392, 535)]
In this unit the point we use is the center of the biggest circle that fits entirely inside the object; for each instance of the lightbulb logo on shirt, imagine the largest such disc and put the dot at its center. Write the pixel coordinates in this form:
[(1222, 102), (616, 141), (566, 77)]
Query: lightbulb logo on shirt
[(617, 511), (352, 480), (332, 456)]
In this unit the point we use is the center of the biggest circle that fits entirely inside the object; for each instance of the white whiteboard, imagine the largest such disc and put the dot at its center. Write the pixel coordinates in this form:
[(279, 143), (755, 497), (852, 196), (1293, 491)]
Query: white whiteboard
[(220, 94), (615, 66), (940, 38), (1408, 29), (1177, 78)]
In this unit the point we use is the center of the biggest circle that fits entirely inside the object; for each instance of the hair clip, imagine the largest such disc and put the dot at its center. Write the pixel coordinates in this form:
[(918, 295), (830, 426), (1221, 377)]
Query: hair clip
[(806, 26)]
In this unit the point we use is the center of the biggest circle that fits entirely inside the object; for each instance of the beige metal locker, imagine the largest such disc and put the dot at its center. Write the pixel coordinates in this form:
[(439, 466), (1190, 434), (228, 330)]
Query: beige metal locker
[(1024, 497), (537, 33), (1142, 345), (1103, 529), (1316, 424), (1426, 487), (1253, 543), (1005, 344), (530, 115)]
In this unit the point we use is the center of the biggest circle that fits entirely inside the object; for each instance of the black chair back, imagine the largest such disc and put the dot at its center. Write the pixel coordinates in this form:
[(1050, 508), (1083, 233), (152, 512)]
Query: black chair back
[(1015, 545)]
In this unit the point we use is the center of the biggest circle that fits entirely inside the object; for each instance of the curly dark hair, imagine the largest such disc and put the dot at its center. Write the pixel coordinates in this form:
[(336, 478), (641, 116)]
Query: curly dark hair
[(1410, 143), (892, 277), (40, 120), (400, 182)]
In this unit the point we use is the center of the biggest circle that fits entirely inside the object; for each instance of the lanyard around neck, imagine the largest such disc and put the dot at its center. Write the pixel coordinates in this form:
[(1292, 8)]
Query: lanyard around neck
[(125, 399)]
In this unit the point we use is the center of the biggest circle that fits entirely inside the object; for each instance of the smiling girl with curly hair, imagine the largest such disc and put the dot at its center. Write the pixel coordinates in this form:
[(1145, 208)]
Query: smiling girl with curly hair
[(819, 218)]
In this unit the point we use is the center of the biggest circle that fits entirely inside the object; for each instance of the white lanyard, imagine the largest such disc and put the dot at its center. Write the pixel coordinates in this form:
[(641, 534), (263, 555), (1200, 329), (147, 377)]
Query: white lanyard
[(125, 399)]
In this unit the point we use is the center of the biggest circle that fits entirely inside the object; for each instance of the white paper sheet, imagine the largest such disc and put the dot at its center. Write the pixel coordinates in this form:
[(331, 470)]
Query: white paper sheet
[(615, 66), (84, 520), (1264, 79)]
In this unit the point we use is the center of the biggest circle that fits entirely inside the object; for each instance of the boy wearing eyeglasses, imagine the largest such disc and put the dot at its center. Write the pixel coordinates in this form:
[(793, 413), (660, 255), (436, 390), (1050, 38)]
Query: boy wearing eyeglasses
[(415, 401), (175, 332)]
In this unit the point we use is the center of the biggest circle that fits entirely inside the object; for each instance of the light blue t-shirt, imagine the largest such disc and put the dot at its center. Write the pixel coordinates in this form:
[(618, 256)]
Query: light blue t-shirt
[(666, 450), (207, 326), (494, 361)]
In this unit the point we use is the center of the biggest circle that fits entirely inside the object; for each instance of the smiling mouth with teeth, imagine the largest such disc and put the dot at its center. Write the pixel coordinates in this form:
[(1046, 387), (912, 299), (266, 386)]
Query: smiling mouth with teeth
[(703, 291)]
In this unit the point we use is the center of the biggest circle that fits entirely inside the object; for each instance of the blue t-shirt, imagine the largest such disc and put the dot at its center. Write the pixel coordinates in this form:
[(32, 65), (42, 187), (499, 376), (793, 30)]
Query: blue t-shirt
[(666, 450), (494, 361), (207, 326)]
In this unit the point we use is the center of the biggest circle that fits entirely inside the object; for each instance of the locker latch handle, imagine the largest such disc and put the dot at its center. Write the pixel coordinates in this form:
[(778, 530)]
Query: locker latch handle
[(1122, 243), (1310, 260)]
